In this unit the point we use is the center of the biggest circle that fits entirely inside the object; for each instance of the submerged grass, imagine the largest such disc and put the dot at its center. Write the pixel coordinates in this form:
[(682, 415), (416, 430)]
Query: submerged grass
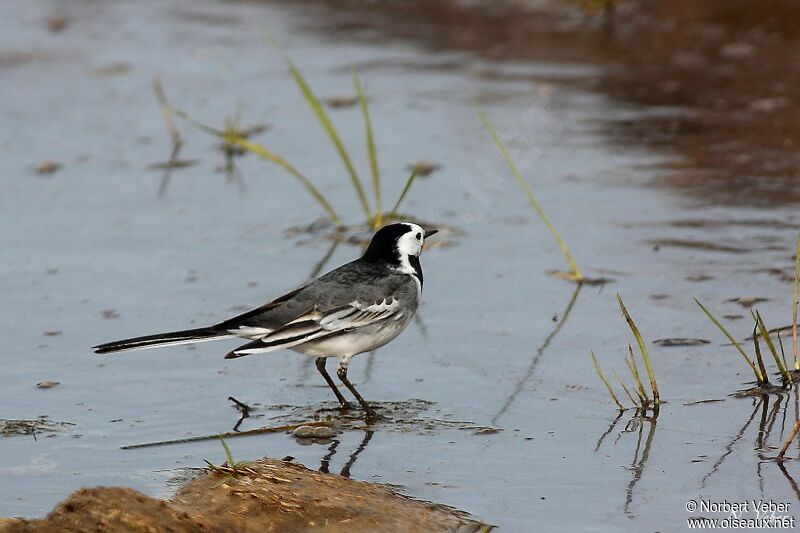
[(779, 361), (575, 273), (760, 377), (627, 390), (608, 385), (643, 349), (760, 331), (644, 400)]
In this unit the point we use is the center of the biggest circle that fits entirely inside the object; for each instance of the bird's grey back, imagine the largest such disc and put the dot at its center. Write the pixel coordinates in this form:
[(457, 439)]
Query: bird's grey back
[(358, 280)]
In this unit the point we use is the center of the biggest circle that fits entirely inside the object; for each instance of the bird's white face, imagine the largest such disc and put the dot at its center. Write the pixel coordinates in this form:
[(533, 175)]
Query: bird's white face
[(410, 243)]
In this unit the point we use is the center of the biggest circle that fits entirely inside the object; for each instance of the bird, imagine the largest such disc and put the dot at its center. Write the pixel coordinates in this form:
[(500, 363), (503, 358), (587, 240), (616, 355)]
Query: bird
[(356, 308)]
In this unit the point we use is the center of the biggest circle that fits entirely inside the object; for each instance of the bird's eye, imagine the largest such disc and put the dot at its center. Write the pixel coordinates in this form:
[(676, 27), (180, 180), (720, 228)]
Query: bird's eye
[(419, 236)]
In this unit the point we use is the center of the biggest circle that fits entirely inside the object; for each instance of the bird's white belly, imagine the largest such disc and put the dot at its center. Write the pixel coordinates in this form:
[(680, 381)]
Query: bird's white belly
[(364, 339)]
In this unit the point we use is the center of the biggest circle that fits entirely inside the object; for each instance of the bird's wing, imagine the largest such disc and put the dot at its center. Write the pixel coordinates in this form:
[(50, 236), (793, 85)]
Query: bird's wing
[(256, 322), (315, 324)]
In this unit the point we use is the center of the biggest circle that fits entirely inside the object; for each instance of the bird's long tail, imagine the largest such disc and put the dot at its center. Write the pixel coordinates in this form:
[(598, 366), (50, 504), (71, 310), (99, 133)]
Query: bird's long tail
[(187, 336)]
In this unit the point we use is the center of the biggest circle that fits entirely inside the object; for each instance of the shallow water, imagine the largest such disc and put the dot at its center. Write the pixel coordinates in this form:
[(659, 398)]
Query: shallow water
[(95, 237)]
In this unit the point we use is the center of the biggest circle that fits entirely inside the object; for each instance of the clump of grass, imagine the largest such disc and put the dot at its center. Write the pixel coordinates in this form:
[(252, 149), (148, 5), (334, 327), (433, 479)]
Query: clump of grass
[(759, 369), (232, 127), (780, 362), (374, 215), (757, 373), (231, 469), (644, 400), (643, 349)]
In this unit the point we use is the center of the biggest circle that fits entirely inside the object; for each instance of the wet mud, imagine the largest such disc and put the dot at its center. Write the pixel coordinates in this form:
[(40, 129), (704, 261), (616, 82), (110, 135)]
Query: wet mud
[(259, 496)]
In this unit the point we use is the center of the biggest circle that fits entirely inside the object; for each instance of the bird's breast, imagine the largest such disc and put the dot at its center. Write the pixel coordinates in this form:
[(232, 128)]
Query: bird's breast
[(356, 341)]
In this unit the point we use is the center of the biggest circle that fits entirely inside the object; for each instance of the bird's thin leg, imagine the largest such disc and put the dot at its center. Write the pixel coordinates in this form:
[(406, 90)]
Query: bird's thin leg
[(321, 367), (341, 371), (243, 408)]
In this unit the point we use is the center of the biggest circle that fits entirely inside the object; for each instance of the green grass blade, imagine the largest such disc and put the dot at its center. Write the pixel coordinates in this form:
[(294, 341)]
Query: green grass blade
[(766, 336), (228, 454), (372, 154), (642, 348), (759, 358), (756, 372), (522, 183), (270, 156), (640, 391), (333, 135), (605, 381), (783, 353), (402, 196), (166, 110), (627, 391)]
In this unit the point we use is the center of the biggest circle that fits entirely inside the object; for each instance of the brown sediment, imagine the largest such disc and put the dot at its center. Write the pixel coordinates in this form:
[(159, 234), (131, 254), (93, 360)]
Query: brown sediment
[(268, 495), (108, 509), (724, 73)]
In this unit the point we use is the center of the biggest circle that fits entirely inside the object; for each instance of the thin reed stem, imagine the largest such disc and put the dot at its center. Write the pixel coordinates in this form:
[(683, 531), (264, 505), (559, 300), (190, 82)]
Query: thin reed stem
[(605, 381), (627, 391), (765, 334), (333, 135), (372, 154), (402, 196), (522, 183)]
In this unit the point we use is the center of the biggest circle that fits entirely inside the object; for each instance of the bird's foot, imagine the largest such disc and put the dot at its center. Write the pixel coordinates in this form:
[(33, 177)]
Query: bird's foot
[(243, 408), (371, 416), (342, 407)]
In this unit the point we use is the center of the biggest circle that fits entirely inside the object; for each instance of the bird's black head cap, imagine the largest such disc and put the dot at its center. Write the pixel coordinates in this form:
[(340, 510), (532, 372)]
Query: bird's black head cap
[(383, 246)]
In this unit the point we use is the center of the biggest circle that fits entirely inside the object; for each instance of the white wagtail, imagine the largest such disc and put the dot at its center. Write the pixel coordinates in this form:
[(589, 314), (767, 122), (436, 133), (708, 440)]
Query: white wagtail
[(355, 308)]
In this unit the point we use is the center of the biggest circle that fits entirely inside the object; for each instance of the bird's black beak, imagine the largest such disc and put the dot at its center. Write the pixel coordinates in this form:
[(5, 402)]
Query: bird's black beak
[(430, 232)]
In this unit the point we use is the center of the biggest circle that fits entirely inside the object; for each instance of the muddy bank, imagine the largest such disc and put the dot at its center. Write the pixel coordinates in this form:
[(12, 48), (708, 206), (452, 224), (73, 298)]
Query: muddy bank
[(265, 495), (724, 72)]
